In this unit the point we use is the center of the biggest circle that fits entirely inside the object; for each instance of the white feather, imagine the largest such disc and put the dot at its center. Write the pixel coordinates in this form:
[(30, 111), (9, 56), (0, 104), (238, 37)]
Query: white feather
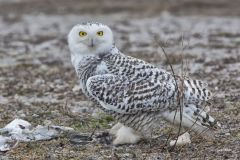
[(126, 135)]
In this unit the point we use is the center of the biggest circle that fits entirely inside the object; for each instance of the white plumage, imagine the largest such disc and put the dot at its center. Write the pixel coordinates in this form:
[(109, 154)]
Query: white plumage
[(136, 93)]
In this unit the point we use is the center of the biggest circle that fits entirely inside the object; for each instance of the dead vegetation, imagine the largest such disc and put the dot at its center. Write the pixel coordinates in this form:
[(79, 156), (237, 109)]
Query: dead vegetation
[(37, 80)]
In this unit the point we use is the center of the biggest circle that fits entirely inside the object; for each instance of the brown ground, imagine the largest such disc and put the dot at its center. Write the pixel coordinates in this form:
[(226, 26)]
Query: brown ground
[(37, 79)]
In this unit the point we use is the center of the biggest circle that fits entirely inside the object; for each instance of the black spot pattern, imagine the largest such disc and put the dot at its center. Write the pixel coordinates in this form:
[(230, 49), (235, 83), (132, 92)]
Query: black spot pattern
[(134, 91)]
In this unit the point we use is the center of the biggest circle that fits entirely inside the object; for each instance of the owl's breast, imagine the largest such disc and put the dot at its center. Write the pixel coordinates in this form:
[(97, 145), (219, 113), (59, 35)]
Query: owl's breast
[(102, 68)]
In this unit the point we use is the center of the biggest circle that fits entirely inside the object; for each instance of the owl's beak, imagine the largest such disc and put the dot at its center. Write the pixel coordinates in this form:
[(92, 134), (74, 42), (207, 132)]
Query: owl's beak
[(92, 42)]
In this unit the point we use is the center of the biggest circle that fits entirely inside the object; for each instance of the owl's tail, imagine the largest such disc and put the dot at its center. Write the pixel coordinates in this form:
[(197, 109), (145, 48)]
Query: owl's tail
[(193, 118)]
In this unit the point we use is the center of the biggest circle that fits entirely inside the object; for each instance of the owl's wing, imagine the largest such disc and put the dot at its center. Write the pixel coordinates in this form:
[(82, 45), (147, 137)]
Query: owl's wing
[(195, 91), (123, 95)]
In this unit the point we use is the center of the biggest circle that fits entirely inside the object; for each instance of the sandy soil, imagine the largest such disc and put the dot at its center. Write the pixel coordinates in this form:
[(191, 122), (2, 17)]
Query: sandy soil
[(38, 82)]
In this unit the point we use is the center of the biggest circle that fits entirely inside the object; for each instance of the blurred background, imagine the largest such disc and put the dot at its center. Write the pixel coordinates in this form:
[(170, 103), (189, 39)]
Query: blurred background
[(37, 79)]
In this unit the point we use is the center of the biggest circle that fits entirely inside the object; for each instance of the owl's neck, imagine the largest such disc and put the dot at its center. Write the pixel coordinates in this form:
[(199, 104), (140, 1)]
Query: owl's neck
[(76, 58)]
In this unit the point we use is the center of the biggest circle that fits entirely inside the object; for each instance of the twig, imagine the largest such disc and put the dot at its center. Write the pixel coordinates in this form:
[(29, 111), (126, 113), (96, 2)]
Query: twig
[(177, 88), (93, 132), (180, 101)]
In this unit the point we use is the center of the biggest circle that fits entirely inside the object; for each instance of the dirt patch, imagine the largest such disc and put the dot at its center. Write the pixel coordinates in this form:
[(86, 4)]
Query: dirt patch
[(37, 80)]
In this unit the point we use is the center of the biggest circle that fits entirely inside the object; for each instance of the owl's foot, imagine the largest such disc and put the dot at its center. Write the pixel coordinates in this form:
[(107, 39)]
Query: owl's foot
[(115, 128), (124, 135)]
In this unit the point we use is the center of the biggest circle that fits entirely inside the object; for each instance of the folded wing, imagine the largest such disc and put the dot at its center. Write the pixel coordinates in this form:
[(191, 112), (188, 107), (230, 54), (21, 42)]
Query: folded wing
[(123, 95)]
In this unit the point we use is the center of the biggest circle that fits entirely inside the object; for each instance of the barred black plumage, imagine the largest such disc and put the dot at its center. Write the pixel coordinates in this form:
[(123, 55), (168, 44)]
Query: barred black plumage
[(135, 92), (130, 88)]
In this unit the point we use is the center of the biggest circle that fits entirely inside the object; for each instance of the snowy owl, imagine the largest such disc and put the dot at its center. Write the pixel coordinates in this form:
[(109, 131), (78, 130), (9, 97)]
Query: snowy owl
[(137, 94)]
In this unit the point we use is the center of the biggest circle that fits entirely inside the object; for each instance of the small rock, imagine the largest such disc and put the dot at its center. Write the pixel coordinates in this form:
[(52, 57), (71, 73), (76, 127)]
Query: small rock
[(182, 140), (35, 115), (128, 156), (38, 82), (227, 134), (43, 67), (76, 88)]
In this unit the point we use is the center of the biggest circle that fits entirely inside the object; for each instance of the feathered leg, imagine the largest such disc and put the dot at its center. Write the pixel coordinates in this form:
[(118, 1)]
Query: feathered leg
[(193, 118), (124, 134)]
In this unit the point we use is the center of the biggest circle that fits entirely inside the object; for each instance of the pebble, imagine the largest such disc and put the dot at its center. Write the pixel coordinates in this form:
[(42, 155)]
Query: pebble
[(76, 88), (182, 140), (38, 82)]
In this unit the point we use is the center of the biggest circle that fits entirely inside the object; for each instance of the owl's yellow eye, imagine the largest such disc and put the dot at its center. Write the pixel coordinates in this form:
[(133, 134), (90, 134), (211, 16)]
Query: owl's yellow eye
[(82, 34), (100, 33)]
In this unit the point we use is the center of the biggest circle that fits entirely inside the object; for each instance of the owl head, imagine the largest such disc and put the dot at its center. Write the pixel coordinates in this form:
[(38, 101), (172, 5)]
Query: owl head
[(88, 39)]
